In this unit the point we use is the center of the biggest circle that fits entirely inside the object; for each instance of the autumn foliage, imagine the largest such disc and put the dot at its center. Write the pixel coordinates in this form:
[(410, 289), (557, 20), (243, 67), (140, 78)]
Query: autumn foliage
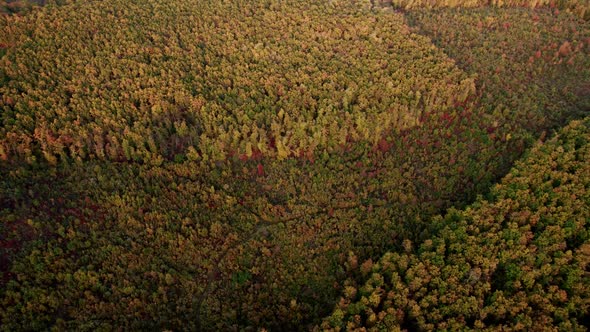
[(579, 8), (237, 165), (517, 260)]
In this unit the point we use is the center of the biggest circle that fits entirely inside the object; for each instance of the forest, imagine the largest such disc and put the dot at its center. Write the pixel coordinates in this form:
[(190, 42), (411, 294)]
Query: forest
[(282, 165)]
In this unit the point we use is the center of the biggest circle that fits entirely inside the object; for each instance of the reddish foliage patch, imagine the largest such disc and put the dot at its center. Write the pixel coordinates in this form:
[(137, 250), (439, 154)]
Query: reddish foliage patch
[(259, 170), (383, 145)]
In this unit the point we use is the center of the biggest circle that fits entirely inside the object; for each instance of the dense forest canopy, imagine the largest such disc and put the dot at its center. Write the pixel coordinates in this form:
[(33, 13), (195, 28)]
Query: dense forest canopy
[(515, 261), (294, 165)]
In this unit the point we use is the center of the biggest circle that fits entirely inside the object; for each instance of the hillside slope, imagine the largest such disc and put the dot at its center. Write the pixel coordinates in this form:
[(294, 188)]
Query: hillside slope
[(516, 261)]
